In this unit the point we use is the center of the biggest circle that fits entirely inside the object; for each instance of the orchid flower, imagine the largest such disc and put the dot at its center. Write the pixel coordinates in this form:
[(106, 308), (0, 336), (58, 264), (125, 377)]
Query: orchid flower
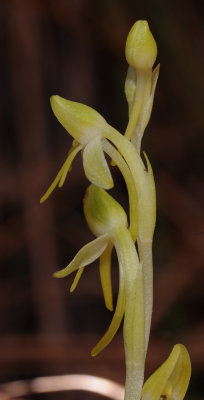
[(89, 128), (108, 221), (141, 80)]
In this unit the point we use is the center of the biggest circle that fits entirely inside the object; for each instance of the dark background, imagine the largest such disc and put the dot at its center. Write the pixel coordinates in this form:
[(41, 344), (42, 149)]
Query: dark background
[(76, 49)]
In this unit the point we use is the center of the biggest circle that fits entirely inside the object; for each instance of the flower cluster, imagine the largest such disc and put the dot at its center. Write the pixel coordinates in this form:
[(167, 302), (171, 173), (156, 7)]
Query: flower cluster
[(107, 220)]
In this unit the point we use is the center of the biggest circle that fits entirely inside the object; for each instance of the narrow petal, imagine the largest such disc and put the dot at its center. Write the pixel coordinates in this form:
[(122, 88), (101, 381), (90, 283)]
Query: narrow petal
[(60, 178), (76, 279), (171, 380), (95, 165), (117, 317), (88, 254), (105, 275), (72, 154)]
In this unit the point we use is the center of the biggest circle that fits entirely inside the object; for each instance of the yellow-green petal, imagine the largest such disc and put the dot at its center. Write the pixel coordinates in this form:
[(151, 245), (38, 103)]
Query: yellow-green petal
[(117, 317), (60, 178), (88, 254), (76, 279), (95, 165), (105, 275), (171, 380)]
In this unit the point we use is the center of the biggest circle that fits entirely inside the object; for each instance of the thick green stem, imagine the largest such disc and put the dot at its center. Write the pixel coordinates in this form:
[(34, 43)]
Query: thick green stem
[(146, 207), (134, 322), (145, 252)]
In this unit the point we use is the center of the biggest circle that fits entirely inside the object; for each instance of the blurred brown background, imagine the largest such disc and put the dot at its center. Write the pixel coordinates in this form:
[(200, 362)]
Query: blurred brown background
[(76, 49)]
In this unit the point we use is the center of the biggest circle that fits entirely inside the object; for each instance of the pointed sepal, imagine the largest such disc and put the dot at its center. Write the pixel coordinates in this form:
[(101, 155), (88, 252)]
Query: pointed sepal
[(82, 122)]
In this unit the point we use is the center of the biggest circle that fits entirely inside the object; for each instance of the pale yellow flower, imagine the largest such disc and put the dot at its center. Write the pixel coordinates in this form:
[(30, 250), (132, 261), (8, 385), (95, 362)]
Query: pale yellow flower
[(141, 80), (96, 136), (108, 221)]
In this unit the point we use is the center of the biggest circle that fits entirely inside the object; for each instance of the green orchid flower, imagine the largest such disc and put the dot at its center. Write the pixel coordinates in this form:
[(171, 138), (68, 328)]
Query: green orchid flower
[(171, 380), (141, 80), (108, 221), (89, 127), (89, 130)]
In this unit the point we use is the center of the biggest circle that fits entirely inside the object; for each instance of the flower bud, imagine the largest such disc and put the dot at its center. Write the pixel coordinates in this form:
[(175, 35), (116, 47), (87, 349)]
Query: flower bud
[(141, 48), (103, 213), (82, 122)]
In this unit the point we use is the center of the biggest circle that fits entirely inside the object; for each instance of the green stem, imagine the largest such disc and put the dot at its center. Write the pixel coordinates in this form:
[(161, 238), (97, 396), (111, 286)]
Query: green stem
[(134, 322), (145, 187), (105, 259), (145, 252)]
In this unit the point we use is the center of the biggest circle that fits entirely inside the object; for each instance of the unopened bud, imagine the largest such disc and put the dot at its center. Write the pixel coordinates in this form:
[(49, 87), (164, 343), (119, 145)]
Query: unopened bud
[(141, 48)]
